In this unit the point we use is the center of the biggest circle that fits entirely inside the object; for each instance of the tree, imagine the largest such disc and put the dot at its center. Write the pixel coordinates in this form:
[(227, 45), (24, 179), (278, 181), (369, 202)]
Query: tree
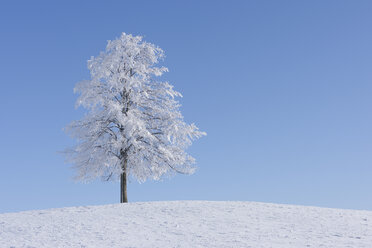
[(133, 126)]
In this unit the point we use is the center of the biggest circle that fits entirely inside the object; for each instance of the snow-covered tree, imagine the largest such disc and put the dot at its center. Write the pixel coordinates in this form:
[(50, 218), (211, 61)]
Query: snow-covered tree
[(133, 126)]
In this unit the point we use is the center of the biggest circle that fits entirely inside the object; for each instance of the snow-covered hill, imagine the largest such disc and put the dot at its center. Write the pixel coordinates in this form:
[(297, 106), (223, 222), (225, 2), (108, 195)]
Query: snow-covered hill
[(187, 224)]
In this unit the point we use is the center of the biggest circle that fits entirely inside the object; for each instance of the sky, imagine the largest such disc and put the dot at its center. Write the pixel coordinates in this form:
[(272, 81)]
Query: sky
[(283, 89)]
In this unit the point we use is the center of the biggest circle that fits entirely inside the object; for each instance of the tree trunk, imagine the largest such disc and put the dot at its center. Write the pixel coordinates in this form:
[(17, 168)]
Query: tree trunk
[(123, 183)]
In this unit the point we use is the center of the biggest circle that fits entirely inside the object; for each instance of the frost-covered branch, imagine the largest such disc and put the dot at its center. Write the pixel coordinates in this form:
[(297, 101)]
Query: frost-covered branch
[(131, 117)]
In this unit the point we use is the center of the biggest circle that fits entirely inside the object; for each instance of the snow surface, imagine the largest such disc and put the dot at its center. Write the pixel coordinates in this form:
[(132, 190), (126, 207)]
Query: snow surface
[(187, 224)]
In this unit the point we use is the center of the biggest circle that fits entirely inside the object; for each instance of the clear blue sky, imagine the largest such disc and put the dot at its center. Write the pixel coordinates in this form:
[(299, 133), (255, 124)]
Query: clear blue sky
[(283, 89)]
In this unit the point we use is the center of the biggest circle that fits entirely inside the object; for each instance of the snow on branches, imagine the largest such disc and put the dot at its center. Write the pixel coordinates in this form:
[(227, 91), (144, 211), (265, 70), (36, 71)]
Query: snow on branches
[(133, 124)]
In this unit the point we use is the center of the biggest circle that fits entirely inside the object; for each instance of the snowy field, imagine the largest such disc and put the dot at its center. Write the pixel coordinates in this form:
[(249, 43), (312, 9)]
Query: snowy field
[(187, 224)]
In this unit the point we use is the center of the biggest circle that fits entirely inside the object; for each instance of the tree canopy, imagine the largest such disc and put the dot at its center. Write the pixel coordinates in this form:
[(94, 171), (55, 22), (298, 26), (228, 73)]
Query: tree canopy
[(133, 123)]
